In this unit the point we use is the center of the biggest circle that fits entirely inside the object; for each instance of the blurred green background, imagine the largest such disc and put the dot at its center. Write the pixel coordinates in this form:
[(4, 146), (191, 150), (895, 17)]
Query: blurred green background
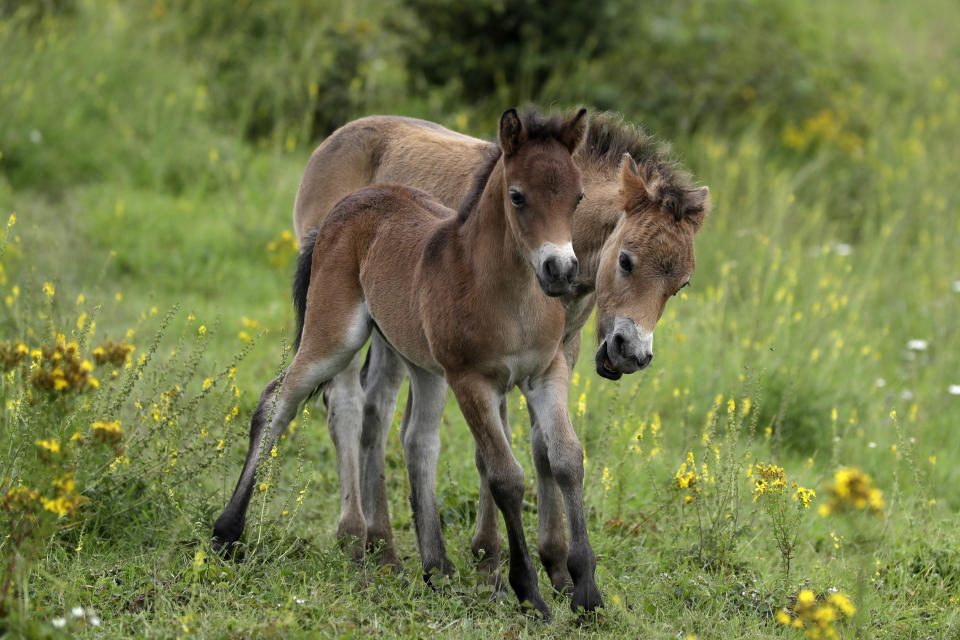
[(151, 151)]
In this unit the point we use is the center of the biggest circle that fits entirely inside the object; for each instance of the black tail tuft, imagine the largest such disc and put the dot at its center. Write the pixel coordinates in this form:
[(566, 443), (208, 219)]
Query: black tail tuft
[(301, 283)]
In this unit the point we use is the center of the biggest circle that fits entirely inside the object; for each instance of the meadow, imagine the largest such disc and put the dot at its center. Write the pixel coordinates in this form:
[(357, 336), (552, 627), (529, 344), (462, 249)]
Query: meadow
[(782, 469)]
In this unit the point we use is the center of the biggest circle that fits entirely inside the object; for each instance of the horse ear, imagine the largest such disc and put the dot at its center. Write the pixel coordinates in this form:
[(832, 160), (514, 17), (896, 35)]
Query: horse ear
[(512, 133), (636, 187), (574, 131), (696, 205)]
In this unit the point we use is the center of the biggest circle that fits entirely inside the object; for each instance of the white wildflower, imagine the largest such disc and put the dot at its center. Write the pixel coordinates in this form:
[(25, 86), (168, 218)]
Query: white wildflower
[(918, 345), (59, 623), (954, 389)]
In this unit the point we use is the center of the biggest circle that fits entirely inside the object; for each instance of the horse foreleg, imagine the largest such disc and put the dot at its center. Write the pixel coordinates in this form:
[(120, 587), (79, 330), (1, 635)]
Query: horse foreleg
[(381, 385), (547, 397), (480, 404), (421, 447), (486, 538), (551, 537)]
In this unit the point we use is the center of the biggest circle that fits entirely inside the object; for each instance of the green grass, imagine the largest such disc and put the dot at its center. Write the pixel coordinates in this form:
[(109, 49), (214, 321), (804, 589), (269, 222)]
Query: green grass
[(831, 246)]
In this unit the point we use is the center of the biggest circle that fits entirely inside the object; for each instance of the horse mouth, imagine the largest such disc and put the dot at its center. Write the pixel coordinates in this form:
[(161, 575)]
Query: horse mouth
[(605, 367)]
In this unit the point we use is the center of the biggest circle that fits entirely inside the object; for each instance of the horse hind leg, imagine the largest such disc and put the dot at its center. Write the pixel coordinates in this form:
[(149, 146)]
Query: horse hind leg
[(421, 446), (319, 358), (381, 386), (343, 398)]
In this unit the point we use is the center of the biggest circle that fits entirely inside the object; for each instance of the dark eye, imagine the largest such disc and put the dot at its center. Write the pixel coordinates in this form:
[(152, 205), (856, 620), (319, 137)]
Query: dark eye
[(685, 284), (625, 262), (579, 198), (517, 198)]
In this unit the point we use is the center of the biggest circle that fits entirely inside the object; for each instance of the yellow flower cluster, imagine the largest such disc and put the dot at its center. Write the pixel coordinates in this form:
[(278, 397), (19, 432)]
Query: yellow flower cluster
[(12, 354), (66, 500), (852, 489), (825, 127), (804, 496), (282, 249), (770, 480), (108, 431), (816, 617), (51, 445), (62, 369), (18, 499), (767, 478), (116, 353), (688, 480)]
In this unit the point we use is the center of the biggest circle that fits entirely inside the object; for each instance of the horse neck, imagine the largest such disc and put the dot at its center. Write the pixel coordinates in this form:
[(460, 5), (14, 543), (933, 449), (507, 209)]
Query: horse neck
[(595, 221), (488, 244)]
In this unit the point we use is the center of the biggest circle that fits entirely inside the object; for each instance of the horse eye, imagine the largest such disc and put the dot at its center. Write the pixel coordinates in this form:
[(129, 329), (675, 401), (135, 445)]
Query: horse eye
[(517, 198), (625, 262), (580, 198)]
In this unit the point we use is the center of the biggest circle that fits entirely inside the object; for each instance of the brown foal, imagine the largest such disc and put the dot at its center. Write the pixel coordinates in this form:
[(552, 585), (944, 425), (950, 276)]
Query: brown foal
[(459, 297)]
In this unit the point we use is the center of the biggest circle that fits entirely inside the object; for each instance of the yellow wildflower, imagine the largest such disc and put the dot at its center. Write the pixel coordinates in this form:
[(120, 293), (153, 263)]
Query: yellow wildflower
[(50, 445)]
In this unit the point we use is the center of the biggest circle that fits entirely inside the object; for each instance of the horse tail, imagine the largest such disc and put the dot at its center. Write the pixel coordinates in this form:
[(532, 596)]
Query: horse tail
[(301, 283)]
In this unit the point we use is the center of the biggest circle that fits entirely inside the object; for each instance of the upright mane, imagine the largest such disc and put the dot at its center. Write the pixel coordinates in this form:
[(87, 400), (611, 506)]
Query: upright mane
[(609, 137), (480, 179), (537, 126)]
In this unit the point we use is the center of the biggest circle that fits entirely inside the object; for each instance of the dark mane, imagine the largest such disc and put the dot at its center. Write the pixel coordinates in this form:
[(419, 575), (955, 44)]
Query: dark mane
[(609, 137), (537, 127), (480, 179)]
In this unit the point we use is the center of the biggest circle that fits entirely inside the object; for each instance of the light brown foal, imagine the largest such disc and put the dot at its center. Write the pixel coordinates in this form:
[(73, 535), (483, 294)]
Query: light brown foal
[(634, 237), (460, 298)]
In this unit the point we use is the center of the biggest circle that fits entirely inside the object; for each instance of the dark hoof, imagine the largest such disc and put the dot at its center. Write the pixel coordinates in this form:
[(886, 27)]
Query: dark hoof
[(562, 584), (353, 547), (586, 598), (438, 573), (385, 556), (353, 540), (226, 533), (500, 591), (536, 608)]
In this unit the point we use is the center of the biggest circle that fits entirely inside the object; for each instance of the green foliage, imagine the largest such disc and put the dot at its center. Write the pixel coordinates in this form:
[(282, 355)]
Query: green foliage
[(505, 48)]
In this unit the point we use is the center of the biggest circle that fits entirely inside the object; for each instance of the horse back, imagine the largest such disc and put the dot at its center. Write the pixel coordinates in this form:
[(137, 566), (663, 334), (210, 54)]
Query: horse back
[(386, 149)]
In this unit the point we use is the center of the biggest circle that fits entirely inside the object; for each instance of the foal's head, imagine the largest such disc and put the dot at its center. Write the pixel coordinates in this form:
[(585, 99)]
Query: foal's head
[(541, 191), (648, 258)]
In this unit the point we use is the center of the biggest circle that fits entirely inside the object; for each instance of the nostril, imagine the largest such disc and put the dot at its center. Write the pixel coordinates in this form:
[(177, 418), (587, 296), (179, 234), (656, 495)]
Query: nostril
[(618, 343), (645, 360), (551, 268)]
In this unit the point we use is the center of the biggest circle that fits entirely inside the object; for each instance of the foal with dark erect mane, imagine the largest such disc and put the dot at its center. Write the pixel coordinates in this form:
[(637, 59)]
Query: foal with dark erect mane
[(460, 299), (633, 234)]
